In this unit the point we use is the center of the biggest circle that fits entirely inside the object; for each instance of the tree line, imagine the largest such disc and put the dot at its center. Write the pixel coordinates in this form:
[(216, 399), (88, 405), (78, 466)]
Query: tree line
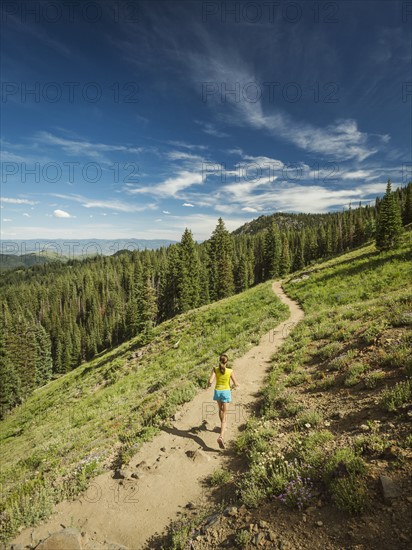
[(56, 316)]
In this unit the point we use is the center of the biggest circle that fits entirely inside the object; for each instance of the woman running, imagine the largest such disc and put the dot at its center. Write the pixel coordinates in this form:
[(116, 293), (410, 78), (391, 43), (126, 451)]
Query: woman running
[(222, 393)]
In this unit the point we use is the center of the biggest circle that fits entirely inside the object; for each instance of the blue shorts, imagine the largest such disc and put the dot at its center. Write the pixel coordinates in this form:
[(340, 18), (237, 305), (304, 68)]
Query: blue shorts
[(225, 396)]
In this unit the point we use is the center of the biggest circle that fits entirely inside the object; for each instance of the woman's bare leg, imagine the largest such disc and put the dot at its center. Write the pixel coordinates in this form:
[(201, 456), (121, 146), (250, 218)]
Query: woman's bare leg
[(220, 410), (223, 415)]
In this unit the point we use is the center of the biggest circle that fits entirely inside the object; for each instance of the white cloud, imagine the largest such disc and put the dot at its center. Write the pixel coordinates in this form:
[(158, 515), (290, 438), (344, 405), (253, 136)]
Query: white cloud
[(7, 220), (61, 214), (358, 174), (187, 145), (180, 155), (26, 214), (341, 139), (82, 147), (108, 204), (7, 156), (17, 201), (249, 209), (171, 187), (292, 197), (210, 129), (165, 212), (236, 151), (188, 204)]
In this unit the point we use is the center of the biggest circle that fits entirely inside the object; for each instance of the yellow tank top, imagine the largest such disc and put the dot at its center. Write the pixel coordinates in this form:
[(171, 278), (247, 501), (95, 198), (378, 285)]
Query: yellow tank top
[(222, 380)]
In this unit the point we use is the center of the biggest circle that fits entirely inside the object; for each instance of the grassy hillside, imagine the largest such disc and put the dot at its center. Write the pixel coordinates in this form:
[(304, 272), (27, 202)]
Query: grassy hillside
[(352, 351), (96, 416), (334, 416)]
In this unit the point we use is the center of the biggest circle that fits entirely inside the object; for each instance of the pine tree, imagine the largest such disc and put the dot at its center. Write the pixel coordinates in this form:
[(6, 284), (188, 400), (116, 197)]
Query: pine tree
[(169, 285), (259, 256), (359, 234), (285, 257), (298, 259), (389, 225), (10, 387), (221, 268), (273, 249), (188, 273), (241, 273), (407, 211), (44, 363), (311, 245), (147, 304)]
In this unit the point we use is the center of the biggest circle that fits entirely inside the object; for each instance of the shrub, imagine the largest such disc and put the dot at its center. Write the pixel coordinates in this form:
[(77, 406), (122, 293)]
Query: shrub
[(243, 538), (350, 494), (326, 383), (408, 442), (400, 394), (255, 438), (372, 379), (344, 462), (179, 534), (297, 379), (328, 351), (343, 476), (311, 417), (371, 444), (374, 330), (397, 358), (220, 477), (310, 452), (251, 494), (353, 375), (342, 361), (298, 493)]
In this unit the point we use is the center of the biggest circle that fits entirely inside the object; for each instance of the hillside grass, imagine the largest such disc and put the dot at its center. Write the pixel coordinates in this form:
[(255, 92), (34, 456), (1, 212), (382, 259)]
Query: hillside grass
[(97, 416), (350, 354)]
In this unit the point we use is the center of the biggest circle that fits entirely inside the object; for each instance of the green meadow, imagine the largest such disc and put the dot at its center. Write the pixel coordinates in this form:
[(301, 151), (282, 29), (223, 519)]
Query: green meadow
[(350, 354), (96, 416)]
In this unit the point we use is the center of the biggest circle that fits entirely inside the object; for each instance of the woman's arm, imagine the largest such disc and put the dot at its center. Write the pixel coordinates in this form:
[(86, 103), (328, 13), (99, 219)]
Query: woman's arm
[(234, 380), (212, 375)]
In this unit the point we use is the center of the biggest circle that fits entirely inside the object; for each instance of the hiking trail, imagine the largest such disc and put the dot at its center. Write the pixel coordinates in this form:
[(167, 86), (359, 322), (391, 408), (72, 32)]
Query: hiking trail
[(167, 471)]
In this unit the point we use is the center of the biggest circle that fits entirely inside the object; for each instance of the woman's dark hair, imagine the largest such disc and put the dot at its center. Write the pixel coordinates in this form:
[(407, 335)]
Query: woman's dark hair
[(223, 359)]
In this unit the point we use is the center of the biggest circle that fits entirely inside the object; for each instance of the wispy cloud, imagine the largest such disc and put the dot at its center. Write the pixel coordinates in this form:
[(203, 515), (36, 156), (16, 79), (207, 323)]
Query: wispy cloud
[(171, 187), (210, 129), (120, 206), (220, 66), (85, 148), (187, 145), (10, 200), (341, 139)]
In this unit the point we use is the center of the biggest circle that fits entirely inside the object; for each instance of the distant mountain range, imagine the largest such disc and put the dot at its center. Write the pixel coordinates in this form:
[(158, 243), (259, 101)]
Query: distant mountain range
[(28, 252), (79, 247)]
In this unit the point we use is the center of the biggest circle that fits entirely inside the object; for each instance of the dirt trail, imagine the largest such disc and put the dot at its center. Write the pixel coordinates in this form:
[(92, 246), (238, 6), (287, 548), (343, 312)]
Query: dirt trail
[(174, 462)]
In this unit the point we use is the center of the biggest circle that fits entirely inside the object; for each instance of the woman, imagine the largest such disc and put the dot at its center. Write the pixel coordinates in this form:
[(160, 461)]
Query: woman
[(222, 392)]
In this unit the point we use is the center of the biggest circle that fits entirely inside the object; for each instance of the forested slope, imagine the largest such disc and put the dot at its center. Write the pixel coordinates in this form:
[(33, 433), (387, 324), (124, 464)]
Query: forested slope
[(54, 317)]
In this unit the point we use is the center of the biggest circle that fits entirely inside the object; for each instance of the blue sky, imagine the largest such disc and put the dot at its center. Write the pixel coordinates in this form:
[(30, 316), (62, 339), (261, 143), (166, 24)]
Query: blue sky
[(135, 119)]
